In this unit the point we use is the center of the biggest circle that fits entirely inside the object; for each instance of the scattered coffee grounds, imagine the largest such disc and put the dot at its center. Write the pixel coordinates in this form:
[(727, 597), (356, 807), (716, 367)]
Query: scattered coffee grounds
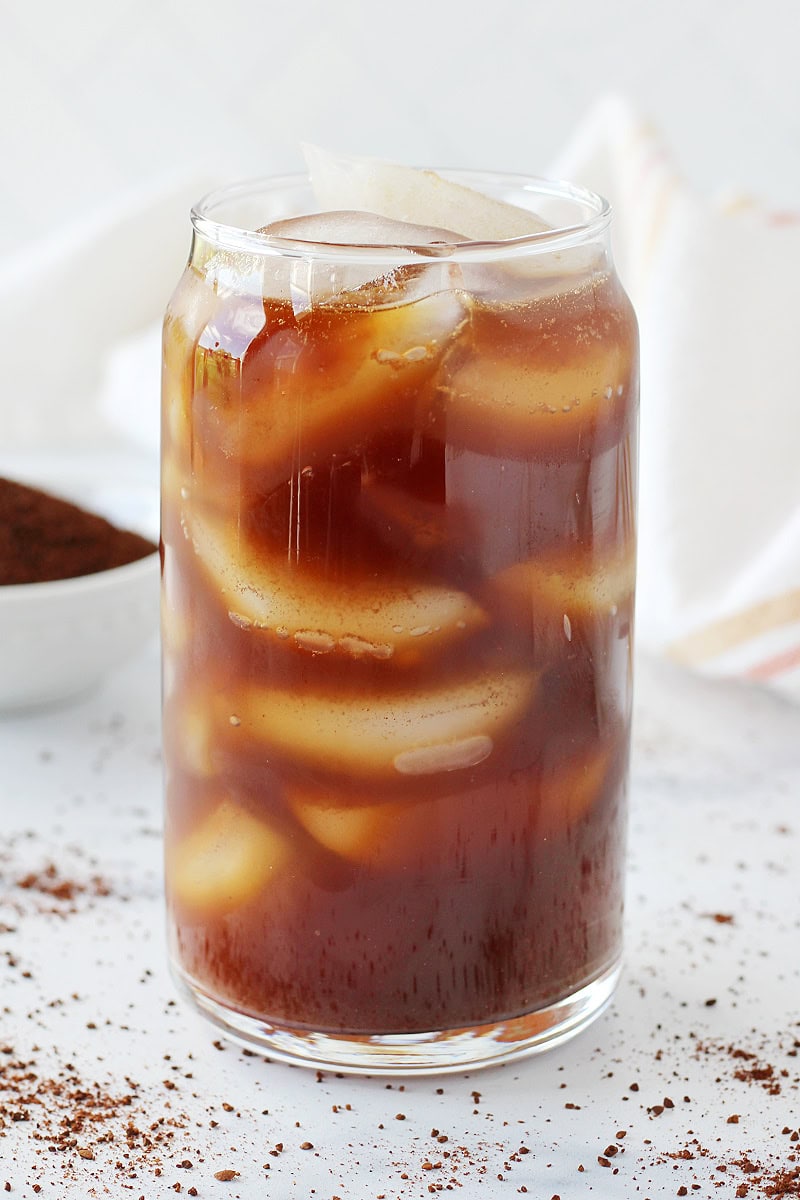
[(766, 1180), (760, 1063), (44, 538), (49, 882), (48, 889), (748, 1067), (74, 1117)]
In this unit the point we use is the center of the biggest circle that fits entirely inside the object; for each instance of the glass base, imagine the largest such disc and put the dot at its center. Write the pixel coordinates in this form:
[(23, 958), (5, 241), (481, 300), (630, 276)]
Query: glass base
[(426, 1053)]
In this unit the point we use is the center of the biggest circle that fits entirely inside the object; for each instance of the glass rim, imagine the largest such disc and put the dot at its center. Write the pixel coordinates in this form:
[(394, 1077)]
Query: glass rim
[(228, 236)]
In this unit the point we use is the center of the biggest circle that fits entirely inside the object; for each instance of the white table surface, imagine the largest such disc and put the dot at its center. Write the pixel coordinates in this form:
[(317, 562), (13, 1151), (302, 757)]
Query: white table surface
[(712, 975)]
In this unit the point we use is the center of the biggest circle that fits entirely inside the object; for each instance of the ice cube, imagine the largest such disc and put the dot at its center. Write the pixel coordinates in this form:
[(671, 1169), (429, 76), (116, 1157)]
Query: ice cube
[(317, 615), (348, 830), (446, 836), (566, 590), (450, 728), (188, 725), (566, 792), (344, 227), (522, 404), (190, 308), (420, 197), (376, 833), (373, 274), (176, 609), (333, 380), (415, 529), (225, 861)]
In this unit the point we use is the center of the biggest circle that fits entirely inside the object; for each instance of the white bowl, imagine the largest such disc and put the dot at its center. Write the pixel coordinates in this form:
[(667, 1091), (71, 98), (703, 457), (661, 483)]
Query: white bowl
[(62, 638)]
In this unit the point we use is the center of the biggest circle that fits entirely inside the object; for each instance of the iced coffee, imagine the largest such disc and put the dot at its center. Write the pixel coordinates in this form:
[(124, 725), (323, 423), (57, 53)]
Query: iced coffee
[(398, 561)]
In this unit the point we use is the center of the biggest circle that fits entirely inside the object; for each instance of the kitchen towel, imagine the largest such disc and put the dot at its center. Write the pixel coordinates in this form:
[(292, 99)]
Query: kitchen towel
[(714, 281)]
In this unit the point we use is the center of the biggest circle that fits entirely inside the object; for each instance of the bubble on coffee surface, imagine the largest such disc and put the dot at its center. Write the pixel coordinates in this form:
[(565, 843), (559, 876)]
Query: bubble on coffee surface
[(448, 756)]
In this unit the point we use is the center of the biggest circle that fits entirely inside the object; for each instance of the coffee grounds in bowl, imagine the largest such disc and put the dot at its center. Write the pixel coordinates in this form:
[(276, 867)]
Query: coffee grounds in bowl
[(43, 538)]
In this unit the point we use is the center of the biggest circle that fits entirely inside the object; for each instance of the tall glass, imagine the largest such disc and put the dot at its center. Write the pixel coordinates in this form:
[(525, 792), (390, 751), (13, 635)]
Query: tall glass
[(399, 538)]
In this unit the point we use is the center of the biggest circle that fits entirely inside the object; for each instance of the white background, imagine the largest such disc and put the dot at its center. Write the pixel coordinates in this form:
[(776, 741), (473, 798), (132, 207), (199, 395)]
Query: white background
[(101, 97)]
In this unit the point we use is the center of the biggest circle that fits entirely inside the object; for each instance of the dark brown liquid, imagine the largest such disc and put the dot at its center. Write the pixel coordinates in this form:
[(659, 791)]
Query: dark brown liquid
[(398, 600)]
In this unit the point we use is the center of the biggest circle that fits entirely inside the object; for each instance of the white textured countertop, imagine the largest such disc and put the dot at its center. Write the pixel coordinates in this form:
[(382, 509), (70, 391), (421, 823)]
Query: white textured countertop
[(688, 1085)]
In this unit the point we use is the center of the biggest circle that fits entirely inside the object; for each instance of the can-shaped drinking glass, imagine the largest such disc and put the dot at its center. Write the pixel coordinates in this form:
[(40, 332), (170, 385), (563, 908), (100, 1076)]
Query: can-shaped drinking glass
[(398, 583)]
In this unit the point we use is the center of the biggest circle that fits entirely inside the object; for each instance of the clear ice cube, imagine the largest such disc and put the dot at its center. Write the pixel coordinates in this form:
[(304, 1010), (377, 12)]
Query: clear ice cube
[(354, 228), (408, 194), (384, 269)]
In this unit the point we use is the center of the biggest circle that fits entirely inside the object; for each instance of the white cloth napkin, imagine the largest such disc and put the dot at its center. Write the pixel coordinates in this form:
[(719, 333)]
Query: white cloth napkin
[(715, 285), (72, 308)]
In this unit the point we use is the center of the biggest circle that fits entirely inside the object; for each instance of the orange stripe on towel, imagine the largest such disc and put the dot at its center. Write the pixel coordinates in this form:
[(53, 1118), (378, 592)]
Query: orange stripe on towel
[(776, 666), (735, 630)]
